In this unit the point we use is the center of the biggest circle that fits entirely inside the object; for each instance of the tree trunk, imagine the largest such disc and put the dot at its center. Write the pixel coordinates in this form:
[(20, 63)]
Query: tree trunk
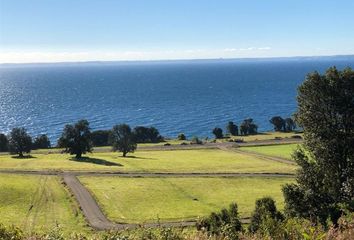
[(20, 154), (78, 155), (124, 153)]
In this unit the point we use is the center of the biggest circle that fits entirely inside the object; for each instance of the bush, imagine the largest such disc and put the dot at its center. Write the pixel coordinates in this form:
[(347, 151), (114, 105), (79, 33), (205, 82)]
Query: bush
[(41, 142), (218, 132), (100, 138), (147, 135), (226, 222), (181, 137), (11, 233), (265, 216)]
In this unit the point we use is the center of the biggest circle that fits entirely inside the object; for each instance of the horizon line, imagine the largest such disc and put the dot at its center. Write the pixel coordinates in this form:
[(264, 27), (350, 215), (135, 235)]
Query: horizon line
[(176, 59)]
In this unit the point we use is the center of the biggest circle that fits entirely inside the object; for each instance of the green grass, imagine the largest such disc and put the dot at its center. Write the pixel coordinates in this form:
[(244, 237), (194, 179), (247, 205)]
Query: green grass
[(264, 136), (37, 203), (280, 150), (206, 160), (149, 199)]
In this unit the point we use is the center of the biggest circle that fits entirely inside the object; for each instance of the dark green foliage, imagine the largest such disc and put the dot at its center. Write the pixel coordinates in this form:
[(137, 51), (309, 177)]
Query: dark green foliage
[(218, 132), (248, 127), (325, 179), (76, 139), (4, 143), (41, 142), (226, 222), (278, 122), (19, 142), (147, 135), (232, 128), (100, 138), (123, 139), (289, 124), (181, 136), (264, 214)]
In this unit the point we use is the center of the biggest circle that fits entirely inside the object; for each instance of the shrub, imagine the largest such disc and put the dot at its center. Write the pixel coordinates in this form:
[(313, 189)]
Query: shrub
[(181, 137), (218, 132), (196, 140), (265, 216), (41, 142), (226, 222)]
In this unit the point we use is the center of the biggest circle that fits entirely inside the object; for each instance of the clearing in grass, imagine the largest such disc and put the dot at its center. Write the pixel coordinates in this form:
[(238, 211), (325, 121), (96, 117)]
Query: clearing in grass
[(141, 200), (205, 160), (38, 203)]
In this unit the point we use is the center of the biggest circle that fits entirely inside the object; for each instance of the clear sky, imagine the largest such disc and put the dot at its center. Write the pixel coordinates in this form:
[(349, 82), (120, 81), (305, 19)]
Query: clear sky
[(85, 30)]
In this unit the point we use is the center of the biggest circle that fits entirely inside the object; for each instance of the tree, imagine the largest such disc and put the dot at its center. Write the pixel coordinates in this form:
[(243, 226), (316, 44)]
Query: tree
[(232, 128), (279, 123), (4, 143), (100, 138), (41, 141), (248, 127), (181, 136), (218, 132), (265, 213), (226, 222), (123, 140), (325, 179), (19, 141), (147, 135), (76, 139), (289, 124)]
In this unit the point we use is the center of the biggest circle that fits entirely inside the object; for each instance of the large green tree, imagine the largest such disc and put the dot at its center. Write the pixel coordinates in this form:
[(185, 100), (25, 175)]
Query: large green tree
[(325, 180), (76, 139), (123, 139), (19, 141), (4, 143)]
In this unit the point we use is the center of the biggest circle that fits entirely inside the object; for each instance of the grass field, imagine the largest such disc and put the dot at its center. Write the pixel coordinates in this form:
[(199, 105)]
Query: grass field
[(264, 136), (150, 199), (37, 203), (206, 160), (280, 150)]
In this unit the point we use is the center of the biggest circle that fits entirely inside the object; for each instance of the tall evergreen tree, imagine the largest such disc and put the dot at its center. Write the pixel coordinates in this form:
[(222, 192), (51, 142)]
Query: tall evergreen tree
[(325, 180)]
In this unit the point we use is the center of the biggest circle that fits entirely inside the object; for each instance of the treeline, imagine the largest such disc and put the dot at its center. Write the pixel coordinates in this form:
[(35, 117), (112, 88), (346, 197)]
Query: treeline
[(77, 139), (247, 127)]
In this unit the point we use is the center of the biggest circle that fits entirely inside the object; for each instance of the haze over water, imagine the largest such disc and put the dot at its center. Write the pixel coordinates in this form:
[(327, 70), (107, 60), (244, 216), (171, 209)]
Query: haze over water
[(174, 96)]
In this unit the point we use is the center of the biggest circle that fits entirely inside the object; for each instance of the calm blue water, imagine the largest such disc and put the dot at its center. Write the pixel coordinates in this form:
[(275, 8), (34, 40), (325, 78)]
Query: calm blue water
[(191, 97)]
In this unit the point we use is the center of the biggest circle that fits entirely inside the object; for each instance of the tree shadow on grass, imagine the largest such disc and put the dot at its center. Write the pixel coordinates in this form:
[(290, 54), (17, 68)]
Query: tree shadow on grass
[(23, 157), (96, 161), (134, 157)]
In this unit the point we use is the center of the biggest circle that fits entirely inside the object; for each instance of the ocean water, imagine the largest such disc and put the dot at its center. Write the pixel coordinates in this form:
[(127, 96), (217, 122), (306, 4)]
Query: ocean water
[(191, 97)]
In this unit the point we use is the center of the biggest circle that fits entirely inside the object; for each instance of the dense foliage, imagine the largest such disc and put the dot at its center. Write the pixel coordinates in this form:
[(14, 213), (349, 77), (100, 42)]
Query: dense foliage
[(41, 142), (123, 139), (325, 181), (265, 216), (181, 136), (19, 141), (147, 135), (225, 222), (248, 127), (278, 123), (4, 143), (232, 128), (218, 132), (100, 138), (76, 139)]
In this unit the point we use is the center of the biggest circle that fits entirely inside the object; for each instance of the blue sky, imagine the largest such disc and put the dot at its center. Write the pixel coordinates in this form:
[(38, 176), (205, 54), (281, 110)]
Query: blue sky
[(84, 30)]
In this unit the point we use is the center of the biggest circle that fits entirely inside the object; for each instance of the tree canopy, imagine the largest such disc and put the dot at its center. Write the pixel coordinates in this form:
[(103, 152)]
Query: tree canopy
[(218, 132), (20, 141), (278, 123), (4, 143), (147, 135), (76, 139), (248, 127), (325, 181), (232, 128), (123, 139), (41, 141)]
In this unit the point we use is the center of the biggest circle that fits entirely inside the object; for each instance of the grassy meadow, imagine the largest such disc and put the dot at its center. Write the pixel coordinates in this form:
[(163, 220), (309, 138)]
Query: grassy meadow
[(280, 150), (38, 203), (172, 199), (204, 160)]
